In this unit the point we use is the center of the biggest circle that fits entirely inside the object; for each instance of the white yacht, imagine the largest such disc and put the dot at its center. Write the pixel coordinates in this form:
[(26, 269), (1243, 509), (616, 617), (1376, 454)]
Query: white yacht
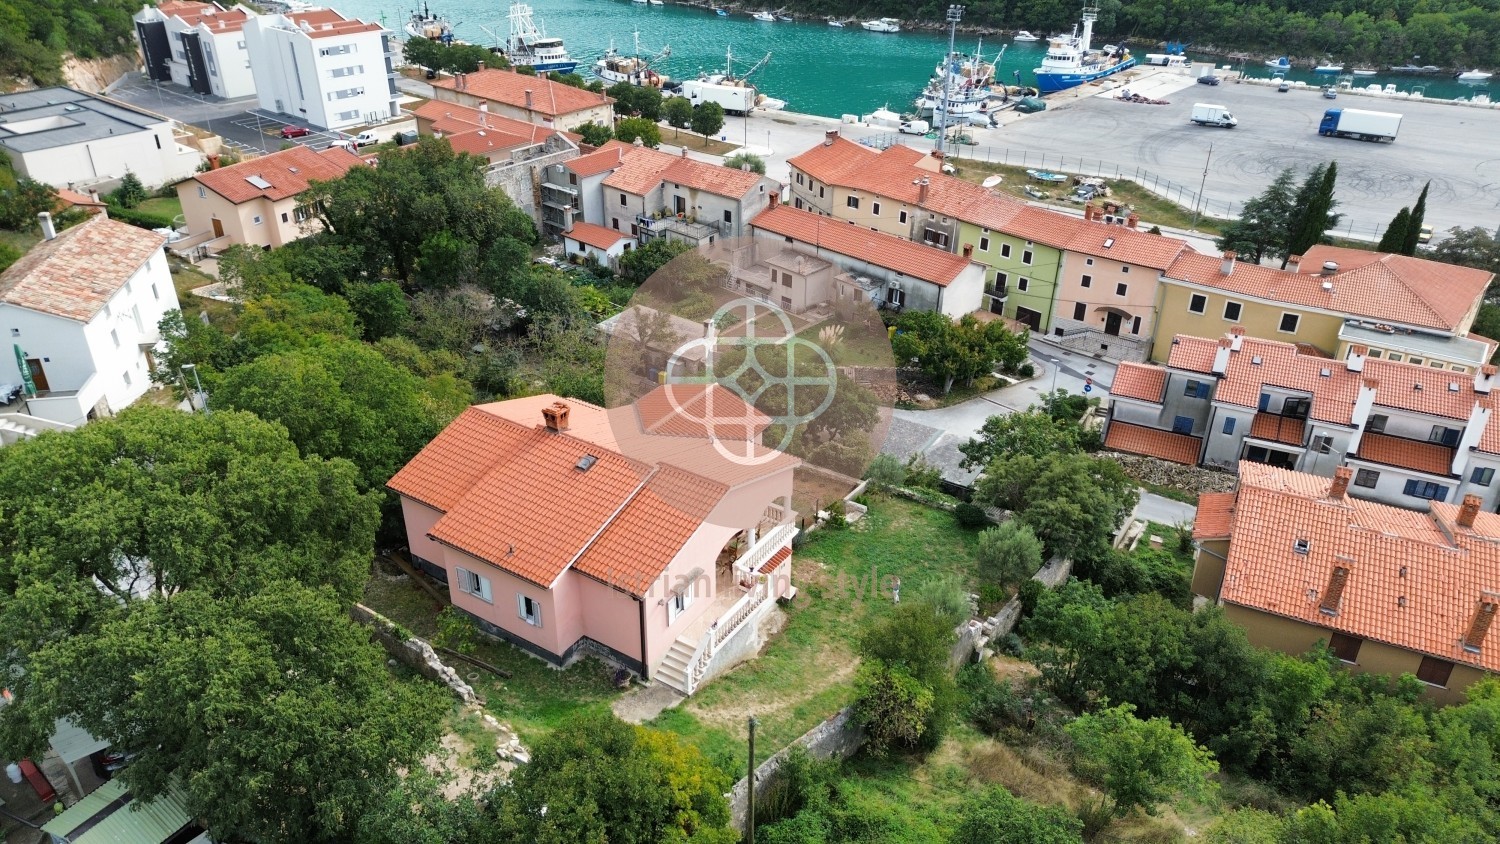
[(883, 25), (1023, 35), (1474, 76)]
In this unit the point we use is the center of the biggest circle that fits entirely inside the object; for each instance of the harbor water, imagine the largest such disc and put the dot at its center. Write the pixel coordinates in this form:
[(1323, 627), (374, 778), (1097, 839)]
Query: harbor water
[(1438, 86)]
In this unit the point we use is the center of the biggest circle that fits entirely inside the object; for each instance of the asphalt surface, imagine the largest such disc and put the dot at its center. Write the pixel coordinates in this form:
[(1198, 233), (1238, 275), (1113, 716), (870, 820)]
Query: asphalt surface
[(1453, 146)]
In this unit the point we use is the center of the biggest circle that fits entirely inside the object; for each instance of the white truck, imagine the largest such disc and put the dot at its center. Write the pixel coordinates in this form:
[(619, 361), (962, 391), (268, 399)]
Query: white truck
[(1359, 124), (1208, 114), (734, 97), (914, 127)]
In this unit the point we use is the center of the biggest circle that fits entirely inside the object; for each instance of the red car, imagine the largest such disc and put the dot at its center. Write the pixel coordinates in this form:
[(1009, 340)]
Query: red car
[(295, 131)]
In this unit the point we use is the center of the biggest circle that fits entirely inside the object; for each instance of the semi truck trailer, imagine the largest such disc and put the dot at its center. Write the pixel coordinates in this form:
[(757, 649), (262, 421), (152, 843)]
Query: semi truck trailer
[(1359, 124)]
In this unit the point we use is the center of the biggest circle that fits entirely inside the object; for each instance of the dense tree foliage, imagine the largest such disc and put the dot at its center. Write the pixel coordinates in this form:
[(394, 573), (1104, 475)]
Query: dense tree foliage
[(636, 100), (1281, 221), (643, 129), (949, 351), (594, 134), (1139, 763), (36, 34), (1472, 247), (451, 58), (708, 119), (906, 691)]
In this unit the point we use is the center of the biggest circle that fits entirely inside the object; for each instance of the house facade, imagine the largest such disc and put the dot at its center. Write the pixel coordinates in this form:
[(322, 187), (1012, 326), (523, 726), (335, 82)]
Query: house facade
[(200, 46), (1024, 258), (1400, 308), (323, 68), (1412, 435), (568, 529), (529, 99), (1296, 561), (260, 201), (81, 309), (69, 139), (604, 246)]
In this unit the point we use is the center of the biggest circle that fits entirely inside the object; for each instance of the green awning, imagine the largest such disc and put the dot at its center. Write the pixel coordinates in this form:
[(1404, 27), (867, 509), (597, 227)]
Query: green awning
[(28, 385), (111, 815)]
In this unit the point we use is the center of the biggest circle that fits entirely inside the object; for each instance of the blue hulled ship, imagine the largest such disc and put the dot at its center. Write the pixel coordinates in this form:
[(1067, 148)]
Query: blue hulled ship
[(1071, 60)]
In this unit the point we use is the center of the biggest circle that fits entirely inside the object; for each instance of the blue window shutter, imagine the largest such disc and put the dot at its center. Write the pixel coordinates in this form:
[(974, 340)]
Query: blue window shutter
[(1202, 391), (1265, 401), (1411, 488), (1229, 425), (1442, 493)]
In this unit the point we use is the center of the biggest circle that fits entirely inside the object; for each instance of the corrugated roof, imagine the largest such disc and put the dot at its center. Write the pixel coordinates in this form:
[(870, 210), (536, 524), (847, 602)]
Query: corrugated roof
[(74, 274), (122, 819), (1409, 584), (883, 250), (283, 174)]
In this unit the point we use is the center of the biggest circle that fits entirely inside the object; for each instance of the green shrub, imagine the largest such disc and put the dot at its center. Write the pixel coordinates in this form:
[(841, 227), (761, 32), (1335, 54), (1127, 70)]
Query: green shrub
[(988, 704), (1029, 593), (1026, 370), (140, 219), (971, 516), (456, 631), (837, 518), (921, 474)]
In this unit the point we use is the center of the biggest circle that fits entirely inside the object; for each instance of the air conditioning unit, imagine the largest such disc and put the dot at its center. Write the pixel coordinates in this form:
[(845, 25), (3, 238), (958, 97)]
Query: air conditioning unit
[(895, 285)]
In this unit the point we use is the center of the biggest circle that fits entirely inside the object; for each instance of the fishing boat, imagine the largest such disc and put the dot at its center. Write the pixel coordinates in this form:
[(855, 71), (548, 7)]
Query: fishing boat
[(1023, 35), (529, 45), (1329, 68), (883, 25), (1474, 76), (1070, 60), (764, 16), (784, 18), (1363, 71), (614, 68), (1283, 63), (967, 80), (837, 23), (425, 23)]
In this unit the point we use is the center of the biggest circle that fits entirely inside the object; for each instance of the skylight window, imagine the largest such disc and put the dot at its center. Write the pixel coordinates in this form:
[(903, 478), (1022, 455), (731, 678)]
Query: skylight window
[(586, 462), (258, 182)]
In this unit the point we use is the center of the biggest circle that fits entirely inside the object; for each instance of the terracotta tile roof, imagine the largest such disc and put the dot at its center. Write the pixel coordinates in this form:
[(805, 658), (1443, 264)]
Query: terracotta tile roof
[(596, 236), (700, 410), (211, 16), (452, 118), (287, 173), (1127, 245), (776, 559), (1215, 515), (608, 157), (1261, 363), (884, 250), (487, 142), (327, 22), (1277, 428), (68, 198), (1389, 288), (1139, 381), (714, 178), (553, 99), (444, 471), (1138, 439), (641, 541), (1409, 585), (1431, 458), (74, 274), (642, 170)]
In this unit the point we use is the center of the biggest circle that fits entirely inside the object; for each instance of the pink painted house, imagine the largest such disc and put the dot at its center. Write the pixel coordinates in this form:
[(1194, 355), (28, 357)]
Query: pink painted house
[(566, 528)]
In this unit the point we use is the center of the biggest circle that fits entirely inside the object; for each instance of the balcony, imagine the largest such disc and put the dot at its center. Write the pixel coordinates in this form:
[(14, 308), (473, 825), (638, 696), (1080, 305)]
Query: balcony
[(1288, 430), (688, 231), (1418, 456), (998, 291)]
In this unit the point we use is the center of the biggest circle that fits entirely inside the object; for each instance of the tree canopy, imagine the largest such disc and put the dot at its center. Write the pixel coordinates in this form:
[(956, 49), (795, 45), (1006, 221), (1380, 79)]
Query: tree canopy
[(1139, 763), (949, 351), (708, 119)]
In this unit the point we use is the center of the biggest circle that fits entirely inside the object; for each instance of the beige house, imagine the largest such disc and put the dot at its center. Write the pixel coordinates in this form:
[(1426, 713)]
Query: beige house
[(257, 201), (530, 99)]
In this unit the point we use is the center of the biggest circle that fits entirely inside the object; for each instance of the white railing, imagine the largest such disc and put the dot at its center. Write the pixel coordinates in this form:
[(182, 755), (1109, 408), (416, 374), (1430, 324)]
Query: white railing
[(774, 540), (721, 631)]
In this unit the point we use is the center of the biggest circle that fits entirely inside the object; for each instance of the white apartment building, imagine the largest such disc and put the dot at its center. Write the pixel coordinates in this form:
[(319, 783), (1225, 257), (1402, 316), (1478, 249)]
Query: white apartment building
[(200, 46), (81, 311), (69, 139), (323, 68)]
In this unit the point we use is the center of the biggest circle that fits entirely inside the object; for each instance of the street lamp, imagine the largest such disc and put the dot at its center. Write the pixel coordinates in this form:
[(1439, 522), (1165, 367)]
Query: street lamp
[(955, 14), (1056, 365), (198, 386)]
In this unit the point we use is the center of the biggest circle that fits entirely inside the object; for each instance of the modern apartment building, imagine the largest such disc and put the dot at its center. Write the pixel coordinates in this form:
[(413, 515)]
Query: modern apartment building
[(200, 46), (323, 68)]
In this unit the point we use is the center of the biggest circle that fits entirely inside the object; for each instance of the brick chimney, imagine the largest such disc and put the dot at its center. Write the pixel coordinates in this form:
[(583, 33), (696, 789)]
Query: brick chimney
[(1227, 266), (775, 200), (968, 250), (556, 416), (1090, 213), (1335, 591), (1133, 220), (829, 137), (1340, 486), (922, 190), (1479, 625), (528, 99), (1355, 362), (213, 161), (1484, 379), (1293, 263), (1469, 510)]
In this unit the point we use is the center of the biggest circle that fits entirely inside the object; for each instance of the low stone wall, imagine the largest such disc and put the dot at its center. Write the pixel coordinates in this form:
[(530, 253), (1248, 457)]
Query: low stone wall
[(975, 637), (839, 737), (413, 652), (1151, 470)]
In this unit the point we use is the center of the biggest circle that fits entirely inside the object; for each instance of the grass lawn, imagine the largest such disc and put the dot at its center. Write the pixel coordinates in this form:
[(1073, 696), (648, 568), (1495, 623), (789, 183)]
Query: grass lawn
[(1153, 209), (186, 277), (167, 206), (806, 673), (20, 241)]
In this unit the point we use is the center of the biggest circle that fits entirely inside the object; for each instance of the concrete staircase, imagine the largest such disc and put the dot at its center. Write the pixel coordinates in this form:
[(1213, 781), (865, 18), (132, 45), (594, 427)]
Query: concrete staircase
[(673, 668), (12, 432)]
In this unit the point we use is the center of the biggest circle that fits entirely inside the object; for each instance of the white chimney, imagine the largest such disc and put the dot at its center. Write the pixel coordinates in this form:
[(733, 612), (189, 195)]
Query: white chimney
[(1363, 404), (1228, 266), (1237, 337), (1330, 267), (1355, 362), (1484, 379), (49, 231), (1221, 356)]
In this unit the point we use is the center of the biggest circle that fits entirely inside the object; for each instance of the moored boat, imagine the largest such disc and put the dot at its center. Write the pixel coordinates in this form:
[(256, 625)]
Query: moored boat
[(529, 44), (425, 23), (1283, 63), (836, 23), (1474, 76), (1071, 61), (883, 25), (1329, 68), (764, 16), (613, 68), (1363, 71), (1023, 35)]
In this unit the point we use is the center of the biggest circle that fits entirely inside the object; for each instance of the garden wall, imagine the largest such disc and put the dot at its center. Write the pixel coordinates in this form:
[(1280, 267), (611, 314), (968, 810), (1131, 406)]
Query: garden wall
[(413, 652), (838, 737)]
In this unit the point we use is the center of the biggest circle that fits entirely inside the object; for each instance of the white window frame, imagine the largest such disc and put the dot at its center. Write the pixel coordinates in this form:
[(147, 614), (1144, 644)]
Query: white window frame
[(1202, 306), (473, 584), (681, 600), (1239, 313), (1281, 320), (534, 618)]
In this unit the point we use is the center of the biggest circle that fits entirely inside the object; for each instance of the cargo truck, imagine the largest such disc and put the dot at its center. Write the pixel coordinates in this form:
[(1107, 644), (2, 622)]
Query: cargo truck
[(734, 96), (1208, 114), (1360, 125)]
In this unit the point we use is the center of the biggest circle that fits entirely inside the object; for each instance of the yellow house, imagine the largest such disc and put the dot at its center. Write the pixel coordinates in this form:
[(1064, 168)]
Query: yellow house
[(257, 202), (1405, 309), (1295, 561)]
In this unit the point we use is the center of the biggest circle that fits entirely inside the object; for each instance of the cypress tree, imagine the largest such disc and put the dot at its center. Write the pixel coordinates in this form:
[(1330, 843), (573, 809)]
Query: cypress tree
[(1314, 215), (1414, 228), (1394, 239)]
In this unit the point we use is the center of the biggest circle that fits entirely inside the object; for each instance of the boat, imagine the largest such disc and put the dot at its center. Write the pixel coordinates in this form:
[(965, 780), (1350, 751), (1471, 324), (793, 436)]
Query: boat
[(530, 46), (1474, 76), (639, 2), (1166, 60), (1023, 35), (769, 103), (785, 18), (1363, 71), (883, 25), (657, 2), (1283, 63), (1329, 68), (1046, 176), (832, 22), (614, 68), (721, 12), (425, 23), (967, 80), (764, 16), (1071, 61)]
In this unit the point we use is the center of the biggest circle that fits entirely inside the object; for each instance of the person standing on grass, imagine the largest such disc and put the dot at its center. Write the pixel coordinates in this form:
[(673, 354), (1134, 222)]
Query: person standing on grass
[(896, 591)]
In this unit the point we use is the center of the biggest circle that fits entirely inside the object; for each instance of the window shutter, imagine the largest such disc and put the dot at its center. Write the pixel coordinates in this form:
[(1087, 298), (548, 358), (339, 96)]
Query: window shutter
[(1442, 493), (521, 605), (484, 589), (1203, 391), (462, 576), (1229, 425), (536, 614), (1411, 488)]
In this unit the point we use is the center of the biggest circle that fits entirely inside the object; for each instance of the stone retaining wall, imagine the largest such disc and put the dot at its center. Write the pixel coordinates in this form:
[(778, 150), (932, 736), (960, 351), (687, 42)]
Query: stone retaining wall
[(836, 738), (1151, 470), (413, 652)]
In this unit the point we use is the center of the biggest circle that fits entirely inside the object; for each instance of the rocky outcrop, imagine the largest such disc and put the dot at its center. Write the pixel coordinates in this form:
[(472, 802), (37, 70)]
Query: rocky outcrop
[(95, 75), (1191, 479)]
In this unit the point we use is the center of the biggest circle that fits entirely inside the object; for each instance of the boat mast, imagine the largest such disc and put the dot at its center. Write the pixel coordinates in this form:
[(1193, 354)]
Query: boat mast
[(1090, 13), (955, 13)]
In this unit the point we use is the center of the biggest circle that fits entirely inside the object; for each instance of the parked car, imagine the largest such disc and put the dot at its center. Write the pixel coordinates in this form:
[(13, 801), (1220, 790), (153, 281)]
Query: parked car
[(1329, 93), (363, 139), (1425, 235), (288, 132), (1208, 79), (1284, 86)]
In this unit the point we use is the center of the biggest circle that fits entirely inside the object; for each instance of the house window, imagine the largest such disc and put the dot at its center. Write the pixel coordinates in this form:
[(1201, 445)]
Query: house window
[(257, 219), (1088, 262), (1197, 303), (1395, 357), (1434, 671), (875, 208), (1289, 323), (797, 203), (1483, 475), (1078, 312), (126, 375), (202, 192), (622, 200), (1229, 425), (786, 279), (302, 213), (1366, 478), (1026, 257), (1124, 269), (799, 178), (935, 238), (1022, 284), (728, 216), (1197, 390), (1436, 364), (1232, 311), (1426, 490), (852, 201), (1321, 444), (154, 294), (470, 583), (786, 303), (1376, 353), (1120, 289), (984, 244), (615, 221), (896, 296), (1135, 326), (681, 600), (572, 178), (1444, 435), (529, 610), (1086, 281), (1005, 250), (820, 193), (1415, 361), (1377, 422), (901, 218), (283, 217), (1345, 647)]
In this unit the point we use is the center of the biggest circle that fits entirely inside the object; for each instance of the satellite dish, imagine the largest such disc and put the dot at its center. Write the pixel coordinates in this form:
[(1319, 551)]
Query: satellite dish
[(991, 181)]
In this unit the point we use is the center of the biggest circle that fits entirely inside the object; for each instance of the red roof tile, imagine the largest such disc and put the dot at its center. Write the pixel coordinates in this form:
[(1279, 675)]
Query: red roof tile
[(1409, 586), (598, 237), (641, 541), (287, 173), (211, 16), (1431, 458), (452, 118), (884, 250), (1138, 439), (607, 158), (1139, 381), (74, 274), (1215, 515), (642, 170), (776, 559), (327, 22), (553, 99), (1126, 245)]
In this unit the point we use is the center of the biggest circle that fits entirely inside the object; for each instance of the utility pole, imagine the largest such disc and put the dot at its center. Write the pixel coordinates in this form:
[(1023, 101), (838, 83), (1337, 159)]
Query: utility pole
[(1201, 185), (750, 811), (955, 14)]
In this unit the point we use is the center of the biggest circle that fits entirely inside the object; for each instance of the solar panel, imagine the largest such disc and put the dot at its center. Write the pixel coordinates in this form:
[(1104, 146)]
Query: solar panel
[(258, 182)]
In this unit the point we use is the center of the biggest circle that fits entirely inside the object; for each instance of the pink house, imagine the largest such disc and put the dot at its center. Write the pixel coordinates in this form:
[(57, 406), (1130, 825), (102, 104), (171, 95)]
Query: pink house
[(656, 535)]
